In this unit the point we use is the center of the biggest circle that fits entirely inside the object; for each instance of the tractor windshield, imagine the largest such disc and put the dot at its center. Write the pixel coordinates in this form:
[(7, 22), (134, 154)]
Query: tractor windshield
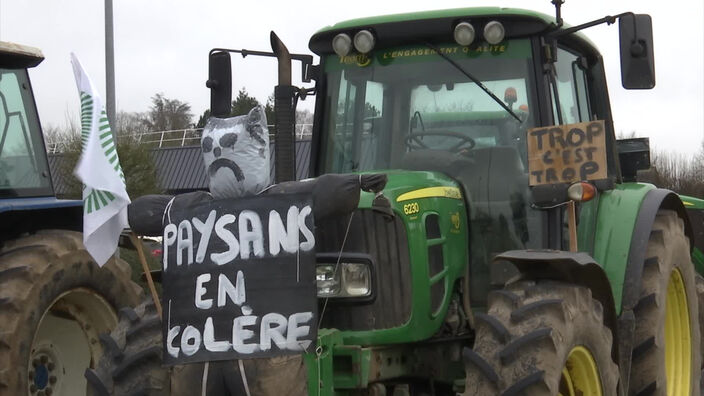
[(395, 104), (23, 167), (410, 108)]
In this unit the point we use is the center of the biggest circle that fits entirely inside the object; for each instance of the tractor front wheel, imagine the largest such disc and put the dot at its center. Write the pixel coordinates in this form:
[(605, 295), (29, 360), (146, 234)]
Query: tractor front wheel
[(546, 338)]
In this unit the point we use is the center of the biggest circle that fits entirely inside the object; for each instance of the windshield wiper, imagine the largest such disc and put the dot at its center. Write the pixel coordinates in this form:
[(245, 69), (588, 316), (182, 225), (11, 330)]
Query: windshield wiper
[(474, 80)]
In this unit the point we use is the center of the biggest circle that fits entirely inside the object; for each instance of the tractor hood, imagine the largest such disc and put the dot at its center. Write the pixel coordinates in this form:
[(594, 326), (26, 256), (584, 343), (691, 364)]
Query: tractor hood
[(405, 186)]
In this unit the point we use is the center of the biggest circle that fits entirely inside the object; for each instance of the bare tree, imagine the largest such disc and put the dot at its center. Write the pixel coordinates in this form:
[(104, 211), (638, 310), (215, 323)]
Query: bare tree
[(678, 172), (131, 123), (58, 138)]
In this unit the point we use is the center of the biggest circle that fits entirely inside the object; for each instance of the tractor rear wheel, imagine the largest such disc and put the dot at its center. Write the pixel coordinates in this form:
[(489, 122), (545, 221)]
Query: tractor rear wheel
[(54, 302), (666, 350), (546, 338), (699, 282)]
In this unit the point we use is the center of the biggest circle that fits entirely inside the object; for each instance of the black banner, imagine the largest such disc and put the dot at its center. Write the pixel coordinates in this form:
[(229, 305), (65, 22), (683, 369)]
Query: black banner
[(239, 279)]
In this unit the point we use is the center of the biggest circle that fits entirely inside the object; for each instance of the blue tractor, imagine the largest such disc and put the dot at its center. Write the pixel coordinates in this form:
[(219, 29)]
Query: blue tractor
[(54, 299)]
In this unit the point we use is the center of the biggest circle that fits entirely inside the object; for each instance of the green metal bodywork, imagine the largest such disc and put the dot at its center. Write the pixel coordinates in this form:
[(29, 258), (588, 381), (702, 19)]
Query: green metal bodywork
[(692, 203), (426, 15), (424, 321), (695, 209), (361, 357), (698, 260), (497, 12), (605, 228)]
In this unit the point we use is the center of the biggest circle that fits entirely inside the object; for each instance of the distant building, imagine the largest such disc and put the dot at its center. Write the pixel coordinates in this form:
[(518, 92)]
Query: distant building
[(180, 169)]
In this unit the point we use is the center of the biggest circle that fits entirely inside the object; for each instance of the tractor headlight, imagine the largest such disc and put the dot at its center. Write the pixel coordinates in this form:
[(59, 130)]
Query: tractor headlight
[(342, 44), (494, 32), (464, 33), (327, 280), (364, 41), (349, 280)]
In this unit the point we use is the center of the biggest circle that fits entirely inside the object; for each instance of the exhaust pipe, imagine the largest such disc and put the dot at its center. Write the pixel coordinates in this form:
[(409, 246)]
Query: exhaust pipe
[(285, 115)]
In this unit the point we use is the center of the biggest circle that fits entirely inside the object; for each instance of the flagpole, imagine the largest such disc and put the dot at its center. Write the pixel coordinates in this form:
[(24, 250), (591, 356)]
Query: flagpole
[(110, 76), (110, 68), (137, 242)]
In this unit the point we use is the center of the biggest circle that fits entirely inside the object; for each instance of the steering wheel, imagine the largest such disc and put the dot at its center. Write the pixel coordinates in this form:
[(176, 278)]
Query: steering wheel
[(414, 142)]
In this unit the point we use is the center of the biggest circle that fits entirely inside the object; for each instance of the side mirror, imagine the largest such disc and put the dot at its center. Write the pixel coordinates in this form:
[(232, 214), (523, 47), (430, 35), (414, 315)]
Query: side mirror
[(220, 83), (634, 156), (637, 59)]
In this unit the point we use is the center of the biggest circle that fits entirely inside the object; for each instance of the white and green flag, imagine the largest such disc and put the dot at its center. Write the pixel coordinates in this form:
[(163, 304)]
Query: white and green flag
[(105, 197)]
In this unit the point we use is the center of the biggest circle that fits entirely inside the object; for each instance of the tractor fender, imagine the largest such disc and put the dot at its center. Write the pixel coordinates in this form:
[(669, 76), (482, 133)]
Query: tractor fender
[(577, 268)]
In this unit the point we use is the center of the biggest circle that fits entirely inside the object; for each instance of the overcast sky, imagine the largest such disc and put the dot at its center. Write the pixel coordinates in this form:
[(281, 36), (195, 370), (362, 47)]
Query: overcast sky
[(162, 46)]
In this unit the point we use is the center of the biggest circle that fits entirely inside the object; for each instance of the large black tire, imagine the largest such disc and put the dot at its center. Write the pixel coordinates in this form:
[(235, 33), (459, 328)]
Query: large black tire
[(530, 330), (54, 302), (699, 282), (132, 365), (667, 251), (132, 362)]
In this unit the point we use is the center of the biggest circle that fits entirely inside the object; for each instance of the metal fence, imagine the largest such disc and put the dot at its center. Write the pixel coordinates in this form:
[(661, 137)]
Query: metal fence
[(191, 137), (180, 137)]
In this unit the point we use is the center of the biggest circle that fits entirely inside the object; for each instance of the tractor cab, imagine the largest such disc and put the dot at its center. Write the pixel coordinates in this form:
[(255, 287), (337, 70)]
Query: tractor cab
[(460, 104), (412, 107), (24, 171), (27, 201), (458, 97)]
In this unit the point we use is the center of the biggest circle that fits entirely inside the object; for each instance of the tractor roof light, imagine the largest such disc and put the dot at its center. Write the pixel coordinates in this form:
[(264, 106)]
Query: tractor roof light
[(494, 32), (342, 44), (581, 191), (364, 41), (464, 34)]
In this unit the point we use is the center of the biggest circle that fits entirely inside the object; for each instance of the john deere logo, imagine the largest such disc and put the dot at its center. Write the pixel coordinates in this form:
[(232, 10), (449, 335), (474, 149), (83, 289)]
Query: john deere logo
[(455, 217), (360, 60)]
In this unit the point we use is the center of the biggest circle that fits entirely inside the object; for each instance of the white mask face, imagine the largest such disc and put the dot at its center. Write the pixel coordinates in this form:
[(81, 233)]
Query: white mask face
[(236, 154)]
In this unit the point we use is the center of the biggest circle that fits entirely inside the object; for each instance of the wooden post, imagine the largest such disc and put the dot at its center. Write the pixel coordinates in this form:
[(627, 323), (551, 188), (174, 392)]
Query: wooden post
[(137, 242), (572, 225)]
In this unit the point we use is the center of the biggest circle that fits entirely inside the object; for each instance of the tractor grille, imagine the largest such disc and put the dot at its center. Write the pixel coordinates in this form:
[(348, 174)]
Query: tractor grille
[(387, 245)]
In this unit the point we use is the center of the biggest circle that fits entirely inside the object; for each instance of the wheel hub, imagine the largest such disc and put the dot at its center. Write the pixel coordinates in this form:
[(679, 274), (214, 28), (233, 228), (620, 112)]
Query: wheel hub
[(45, 371), (580, 376), (678, 342), (66, 342)]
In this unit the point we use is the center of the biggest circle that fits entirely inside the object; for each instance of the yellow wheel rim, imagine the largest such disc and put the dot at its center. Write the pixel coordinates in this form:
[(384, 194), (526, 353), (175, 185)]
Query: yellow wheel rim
[(678, 341), (580, 376)]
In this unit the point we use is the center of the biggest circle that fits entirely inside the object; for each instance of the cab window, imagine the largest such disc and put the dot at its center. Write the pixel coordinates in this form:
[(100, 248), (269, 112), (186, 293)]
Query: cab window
[(572, 92)]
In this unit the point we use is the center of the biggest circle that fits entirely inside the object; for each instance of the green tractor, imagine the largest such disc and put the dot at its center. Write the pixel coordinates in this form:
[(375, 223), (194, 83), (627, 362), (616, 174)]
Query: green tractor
[(54, 299), (489, 275), (474, 275)]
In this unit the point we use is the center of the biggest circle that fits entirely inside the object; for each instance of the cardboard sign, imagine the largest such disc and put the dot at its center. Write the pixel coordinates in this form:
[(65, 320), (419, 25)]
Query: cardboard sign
[(567, 153), (239, 279)]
